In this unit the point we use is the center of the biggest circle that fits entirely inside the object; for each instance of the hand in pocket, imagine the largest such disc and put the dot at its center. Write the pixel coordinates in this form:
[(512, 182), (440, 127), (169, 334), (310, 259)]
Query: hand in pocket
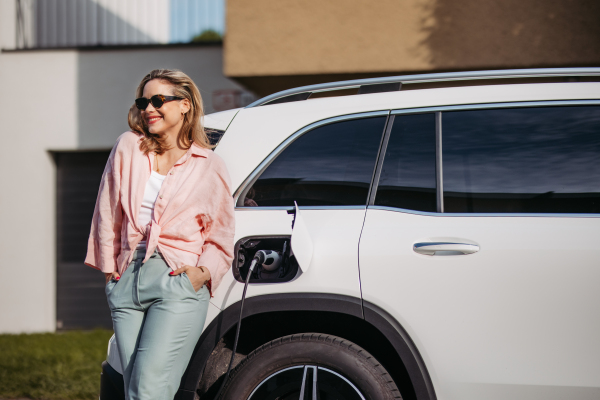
[(112, 276), (199, 276)]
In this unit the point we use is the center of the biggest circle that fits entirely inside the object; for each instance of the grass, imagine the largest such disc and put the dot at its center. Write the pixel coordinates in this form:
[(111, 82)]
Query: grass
[(52, 366)]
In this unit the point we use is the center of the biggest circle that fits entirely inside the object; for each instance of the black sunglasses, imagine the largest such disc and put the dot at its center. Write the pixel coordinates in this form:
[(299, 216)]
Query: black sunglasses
[(157, 101)]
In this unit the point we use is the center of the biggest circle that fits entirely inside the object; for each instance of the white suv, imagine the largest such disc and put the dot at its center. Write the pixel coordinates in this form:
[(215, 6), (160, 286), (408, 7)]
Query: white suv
[(454, 242)]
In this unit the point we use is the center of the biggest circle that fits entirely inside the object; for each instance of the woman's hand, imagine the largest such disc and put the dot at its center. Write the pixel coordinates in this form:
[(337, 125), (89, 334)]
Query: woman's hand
[(199, 276), (112, 275)]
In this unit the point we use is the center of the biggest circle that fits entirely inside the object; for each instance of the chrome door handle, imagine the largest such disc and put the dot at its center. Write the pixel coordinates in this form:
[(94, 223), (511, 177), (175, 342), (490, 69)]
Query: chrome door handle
[(445, 248)]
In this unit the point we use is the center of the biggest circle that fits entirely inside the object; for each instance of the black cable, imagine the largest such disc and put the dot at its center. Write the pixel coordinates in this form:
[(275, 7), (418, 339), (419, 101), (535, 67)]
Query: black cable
[(258, 258)]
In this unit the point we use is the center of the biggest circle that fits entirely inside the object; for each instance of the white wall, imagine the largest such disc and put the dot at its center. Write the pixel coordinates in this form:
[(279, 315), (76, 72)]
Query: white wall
[(39, 112), (8, 25), (63, 100), (108, 79)]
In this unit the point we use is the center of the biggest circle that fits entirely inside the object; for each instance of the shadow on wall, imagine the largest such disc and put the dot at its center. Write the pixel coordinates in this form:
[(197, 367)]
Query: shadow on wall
[(62, 23), (483, 34)]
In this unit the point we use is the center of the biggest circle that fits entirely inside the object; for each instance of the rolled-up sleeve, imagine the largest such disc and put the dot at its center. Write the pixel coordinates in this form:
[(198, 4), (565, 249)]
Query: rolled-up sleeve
[(104, 244), (217, 250)]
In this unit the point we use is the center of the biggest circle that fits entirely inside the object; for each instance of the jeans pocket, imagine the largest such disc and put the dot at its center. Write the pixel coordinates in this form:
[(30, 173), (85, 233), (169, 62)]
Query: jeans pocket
[(109, 286)]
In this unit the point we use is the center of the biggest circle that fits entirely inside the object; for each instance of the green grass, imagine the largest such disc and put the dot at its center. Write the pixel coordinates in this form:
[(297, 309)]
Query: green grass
[(52, 366)]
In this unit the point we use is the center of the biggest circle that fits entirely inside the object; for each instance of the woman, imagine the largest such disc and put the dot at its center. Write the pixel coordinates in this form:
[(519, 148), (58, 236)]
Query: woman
[(162, 233)]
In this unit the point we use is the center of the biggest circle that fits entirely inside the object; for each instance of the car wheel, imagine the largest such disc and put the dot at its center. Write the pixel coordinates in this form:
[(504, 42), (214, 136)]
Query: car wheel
[(310, 366)]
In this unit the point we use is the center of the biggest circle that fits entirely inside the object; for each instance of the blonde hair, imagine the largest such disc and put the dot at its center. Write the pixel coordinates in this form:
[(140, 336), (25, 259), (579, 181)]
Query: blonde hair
[(192, 130)]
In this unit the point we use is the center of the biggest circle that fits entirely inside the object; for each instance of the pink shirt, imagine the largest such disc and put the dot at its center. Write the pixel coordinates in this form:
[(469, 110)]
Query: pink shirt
[(193, 221)]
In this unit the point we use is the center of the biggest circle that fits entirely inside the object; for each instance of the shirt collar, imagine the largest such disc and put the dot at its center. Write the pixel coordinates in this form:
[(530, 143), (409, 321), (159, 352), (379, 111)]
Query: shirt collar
[(199, 151), (193, 150)]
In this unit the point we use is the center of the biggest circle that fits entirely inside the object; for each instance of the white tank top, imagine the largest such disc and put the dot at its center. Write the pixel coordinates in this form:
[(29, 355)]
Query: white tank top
[(150, 194)]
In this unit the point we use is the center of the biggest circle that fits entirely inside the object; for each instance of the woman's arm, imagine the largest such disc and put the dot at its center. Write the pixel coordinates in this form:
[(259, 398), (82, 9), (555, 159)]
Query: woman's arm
[(104, 244), (217, 251)]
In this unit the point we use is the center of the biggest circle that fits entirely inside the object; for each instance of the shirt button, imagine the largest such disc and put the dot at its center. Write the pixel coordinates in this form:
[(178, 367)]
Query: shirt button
[(171, 173), (160, 197)]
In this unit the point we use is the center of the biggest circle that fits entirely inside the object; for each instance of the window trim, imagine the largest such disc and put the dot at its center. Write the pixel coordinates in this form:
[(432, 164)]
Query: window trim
[(437, 214), (439, 165), (484, 106), (251, 179), (380, 156), (438, 110), (289, 208)]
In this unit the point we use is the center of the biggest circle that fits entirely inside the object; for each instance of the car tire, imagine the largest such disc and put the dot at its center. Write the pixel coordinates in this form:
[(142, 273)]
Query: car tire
[(330, 357)]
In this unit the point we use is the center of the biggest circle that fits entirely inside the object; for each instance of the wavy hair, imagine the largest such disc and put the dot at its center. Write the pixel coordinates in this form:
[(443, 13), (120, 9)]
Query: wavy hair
[(192, 130)]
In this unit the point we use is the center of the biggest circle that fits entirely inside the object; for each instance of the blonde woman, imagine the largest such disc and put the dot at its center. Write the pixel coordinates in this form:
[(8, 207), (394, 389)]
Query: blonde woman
[(162, 233)]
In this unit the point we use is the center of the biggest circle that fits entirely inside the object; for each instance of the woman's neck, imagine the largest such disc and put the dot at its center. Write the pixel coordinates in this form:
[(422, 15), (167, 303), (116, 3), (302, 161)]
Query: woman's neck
[(174, 152), (169, 141)]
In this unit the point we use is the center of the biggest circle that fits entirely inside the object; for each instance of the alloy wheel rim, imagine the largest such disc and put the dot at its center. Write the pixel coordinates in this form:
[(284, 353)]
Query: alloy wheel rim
[(305, 382)]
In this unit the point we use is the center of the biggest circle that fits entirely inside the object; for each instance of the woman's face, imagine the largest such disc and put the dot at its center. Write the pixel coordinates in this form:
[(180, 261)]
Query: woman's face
[(167, 119)]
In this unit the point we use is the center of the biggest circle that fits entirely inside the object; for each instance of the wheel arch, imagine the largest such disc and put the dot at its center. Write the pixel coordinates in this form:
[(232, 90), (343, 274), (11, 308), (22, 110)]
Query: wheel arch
[(267, 317)]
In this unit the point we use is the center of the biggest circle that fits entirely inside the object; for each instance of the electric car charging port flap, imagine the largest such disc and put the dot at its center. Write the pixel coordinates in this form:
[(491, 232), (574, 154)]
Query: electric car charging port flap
[(280, 264)]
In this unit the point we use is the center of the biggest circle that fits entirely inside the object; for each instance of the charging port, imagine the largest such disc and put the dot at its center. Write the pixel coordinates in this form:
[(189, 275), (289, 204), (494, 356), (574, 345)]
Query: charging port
[(281, 266)]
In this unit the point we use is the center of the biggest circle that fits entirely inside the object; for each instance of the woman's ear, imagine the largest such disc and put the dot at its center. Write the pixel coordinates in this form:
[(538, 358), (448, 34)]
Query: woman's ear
[(184, 106)]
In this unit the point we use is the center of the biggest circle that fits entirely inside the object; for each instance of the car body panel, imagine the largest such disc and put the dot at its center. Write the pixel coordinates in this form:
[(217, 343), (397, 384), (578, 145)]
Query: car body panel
[(333, 267), (220, 120), (522, 314)]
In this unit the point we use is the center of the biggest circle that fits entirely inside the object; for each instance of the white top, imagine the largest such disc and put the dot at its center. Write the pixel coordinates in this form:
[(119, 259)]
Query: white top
[(150, 194)]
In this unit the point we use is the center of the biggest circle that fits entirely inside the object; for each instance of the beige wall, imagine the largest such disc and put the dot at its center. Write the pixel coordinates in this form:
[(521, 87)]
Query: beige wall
[(266, 37), (64, 100), (350, 38)]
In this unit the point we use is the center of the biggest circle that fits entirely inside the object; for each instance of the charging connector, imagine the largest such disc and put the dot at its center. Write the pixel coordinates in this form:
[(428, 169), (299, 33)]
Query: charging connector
[(259, 258)]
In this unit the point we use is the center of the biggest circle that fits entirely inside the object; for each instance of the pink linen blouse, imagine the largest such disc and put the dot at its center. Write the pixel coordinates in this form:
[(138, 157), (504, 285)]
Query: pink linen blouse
[(193, 221)]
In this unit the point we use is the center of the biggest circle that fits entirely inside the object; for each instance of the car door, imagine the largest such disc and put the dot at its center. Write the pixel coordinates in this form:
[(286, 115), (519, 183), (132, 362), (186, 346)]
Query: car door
[(326, 168), (481, 239)]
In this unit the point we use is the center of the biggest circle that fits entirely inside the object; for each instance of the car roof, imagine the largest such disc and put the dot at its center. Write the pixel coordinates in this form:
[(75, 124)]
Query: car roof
[(255, 132)]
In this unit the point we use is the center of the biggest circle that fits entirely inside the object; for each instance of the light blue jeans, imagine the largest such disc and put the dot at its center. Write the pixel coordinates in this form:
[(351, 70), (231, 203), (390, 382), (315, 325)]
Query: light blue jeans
[(157, 320)]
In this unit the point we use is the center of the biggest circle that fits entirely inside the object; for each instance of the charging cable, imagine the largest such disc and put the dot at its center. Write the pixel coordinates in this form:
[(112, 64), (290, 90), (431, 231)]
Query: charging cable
[(259, 258)]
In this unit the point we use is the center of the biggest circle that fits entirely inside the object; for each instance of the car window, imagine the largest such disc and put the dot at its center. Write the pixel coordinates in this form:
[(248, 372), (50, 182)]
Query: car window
[(407, 177), (522, 160), (214, 135), (330, 165)]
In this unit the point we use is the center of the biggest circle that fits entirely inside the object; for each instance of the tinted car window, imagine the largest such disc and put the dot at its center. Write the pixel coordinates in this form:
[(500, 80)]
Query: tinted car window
[(408, 173), (214, 135), (329, 165), (522, 160)]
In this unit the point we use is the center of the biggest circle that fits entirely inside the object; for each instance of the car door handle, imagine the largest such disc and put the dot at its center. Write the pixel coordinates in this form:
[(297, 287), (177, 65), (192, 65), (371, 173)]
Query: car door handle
[(445, 248)]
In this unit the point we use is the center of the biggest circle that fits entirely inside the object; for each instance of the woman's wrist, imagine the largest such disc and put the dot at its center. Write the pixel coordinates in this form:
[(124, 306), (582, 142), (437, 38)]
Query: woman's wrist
[(206, 272)]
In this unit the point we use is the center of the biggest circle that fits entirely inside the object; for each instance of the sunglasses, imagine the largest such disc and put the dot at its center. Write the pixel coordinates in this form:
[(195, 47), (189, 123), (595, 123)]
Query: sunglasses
[(157, 101)]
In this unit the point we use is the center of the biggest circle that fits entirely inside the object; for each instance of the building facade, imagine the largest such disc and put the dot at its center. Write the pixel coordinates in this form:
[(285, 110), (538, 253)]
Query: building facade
[(65, 103), (271, 46)]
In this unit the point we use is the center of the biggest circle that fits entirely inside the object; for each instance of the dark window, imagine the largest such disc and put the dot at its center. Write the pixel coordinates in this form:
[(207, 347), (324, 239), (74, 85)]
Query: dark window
[(330, 165), (80, 297), (522, 160), (408, 174), (214, 135)]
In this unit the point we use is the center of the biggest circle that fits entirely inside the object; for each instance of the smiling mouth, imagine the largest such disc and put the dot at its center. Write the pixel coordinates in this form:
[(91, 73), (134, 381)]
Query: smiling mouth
[(152, 120)]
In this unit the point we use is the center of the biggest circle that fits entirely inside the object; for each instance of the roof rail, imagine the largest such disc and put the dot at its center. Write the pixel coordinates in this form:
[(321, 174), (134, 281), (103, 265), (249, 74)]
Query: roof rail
[(390, 83)]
